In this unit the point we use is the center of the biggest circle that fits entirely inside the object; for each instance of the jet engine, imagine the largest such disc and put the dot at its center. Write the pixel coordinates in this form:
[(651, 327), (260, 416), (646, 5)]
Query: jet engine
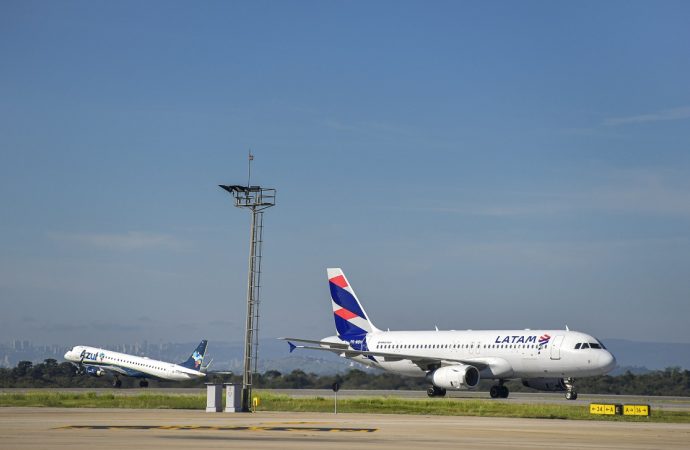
[(545, 384), (95, 371), (459, 376)]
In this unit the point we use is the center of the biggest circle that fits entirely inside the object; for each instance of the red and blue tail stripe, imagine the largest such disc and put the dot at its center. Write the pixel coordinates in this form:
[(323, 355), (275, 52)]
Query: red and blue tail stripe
[(350, 319)]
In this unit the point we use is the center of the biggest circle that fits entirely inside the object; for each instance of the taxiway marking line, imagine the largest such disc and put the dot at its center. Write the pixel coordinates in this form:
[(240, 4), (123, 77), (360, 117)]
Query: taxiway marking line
[(216, 428)]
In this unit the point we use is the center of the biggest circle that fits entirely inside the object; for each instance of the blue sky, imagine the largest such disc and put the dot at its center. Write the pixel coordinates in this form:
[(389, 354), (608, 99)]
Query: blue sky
[(469, 165)]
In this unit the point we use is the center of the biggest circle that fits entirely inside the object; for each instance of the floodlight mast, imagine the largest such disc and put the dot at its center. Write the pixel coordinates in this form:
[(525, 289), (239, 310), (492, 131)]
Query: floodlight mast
[(256, 199)]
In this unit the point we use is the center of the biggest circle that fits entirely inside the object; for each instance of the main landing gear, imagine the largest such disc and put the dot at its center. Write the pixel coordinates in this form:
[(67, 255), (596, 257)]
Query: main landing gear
[(499, 390), (143, 383), (117, 383), (434, 391), (570, 392)]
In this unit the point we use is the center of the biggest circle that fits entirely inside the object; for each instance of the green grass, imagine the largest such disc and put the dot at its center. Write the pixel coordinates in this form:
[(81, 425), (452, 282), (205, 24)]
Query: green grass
[(447, 407), (363, 405), (108, 400)]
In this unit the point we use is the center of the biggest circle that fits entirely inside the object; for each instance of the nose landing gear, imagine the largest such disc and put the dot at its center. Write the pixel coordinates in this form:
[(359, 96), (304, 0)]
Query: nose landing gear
[(143, 383)]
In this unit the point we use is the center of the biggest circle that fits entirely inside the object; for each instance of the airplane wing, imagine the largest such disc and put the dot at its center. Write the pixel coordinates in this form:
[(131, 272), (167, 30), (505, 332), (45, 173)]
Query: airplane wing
[(495, 365), (341, 345)]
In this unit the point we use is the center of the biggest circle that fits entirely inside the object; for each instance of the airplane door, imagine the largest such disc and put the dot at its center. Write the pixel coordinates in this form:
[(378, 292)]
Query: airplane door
[(556, 347)]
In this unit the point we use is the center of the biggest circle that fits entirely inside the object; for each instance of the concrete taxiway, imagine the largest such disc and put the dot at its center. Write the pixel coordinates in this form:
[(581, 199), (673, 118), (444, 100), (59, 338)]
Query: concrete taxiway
[(41, 428)]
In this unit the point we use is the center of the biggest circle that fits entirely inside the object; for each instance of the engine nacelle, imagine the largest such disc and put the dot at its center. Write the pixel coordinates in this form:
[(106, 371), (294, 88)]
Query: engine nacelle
[(460, 376), (545, 384), (95, 371)]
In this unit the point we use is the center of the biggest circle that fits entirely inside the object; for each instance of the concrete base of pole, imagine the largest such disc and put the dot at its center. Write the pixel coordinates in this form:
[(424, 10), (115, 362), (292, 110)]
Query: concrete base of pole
[(214, 397), (233, 398)]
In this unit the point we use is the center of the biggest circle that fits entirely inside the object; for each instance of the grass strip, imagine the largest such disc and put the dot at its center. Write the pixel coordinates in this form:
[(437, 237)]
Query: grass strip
[(454, 407), (359, 405), (107, 400)]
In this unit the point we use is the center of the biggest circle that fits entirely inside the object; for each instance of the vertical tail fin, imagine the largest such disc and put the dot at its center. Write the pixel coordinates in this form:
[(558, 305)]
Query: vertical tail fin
[(195, 359), (350, 318)]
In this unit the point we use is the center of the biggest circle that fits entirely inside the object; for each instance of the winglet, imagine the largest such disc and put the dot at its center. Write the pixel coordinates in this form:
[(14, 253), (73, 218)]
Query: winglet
[(292, 346)]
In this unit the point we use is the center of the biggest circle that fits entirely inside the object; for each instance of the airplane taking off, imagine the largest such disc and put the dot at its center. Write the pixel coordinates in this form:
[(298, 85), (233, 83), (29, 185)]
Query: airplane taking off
[(98, 362), (546, 360)]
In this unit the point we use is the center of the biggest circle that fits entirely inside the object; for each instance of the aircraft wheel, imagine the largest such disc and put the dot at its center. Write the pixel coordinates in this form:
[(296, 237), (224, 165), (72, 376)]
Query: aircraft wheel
[(504, 392), (495, 391), (143, 383), (434, 391), (117, 383), (571, 395)]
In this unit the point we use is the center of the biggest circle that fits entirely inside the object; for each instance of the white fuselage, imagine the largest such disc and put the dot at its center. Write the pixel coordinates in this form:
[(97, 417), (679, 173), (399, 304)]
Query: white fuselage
[(130, 365), (505, 353)]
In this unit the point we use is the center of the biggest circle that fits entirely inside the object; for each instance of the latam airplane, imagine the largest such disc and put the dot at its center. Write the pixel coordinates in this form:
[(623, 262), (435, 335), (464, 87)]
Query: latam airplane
[(98, 362), (546, 360)]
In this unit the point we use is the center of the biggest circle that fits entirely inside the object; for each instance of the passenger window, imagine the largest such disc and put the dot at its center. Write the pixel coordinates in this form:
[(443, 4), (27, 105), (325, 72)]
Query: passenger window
[(577, 346)]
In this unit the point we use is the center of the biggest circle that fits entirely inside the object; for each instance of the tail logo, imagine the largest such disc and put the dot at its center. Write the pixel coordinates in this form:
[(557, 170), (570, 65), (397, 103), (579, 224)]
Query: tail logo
[(196, 356), (349, 317), (342, 312)]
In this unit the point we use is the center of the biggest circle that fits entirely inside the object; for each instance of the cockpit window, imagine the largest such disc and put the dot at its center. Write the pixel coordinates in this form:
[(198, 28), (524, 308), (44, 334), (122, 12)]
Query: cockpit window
[(593, 345), (585, 345), (602, 344), (577, 346)]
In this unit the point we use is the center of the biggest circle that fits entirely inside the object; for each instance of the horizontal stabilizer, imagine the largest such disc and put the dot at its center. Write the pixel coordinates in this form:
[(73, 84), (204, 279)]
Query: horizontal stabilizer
[(342, 345)]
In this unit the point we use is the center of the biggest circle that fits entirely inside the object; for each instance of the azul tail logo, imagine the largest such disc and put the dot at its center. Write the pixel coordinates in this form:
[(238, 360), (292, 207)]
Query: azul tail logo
[(544, 339), (350, 319), (195, 359)]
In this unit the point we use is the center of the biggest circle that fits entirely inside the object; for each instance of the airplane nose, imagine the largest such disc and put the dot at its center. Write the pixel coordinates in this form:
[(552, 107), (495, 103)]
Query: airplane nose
[(607, 361)]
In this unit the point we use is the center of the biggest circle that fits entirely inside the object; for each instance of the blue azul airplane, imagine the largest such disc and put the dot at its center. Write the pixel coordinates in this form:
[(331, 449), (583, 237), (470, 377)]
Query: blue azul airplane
[(98, 362), (547, 360)]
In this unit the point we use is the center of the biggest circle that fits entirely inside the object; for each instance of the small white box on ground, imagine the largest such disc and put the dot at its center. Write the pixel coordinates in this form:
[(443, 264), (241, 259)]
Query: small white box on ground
[(233, 397), (214, 397)]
